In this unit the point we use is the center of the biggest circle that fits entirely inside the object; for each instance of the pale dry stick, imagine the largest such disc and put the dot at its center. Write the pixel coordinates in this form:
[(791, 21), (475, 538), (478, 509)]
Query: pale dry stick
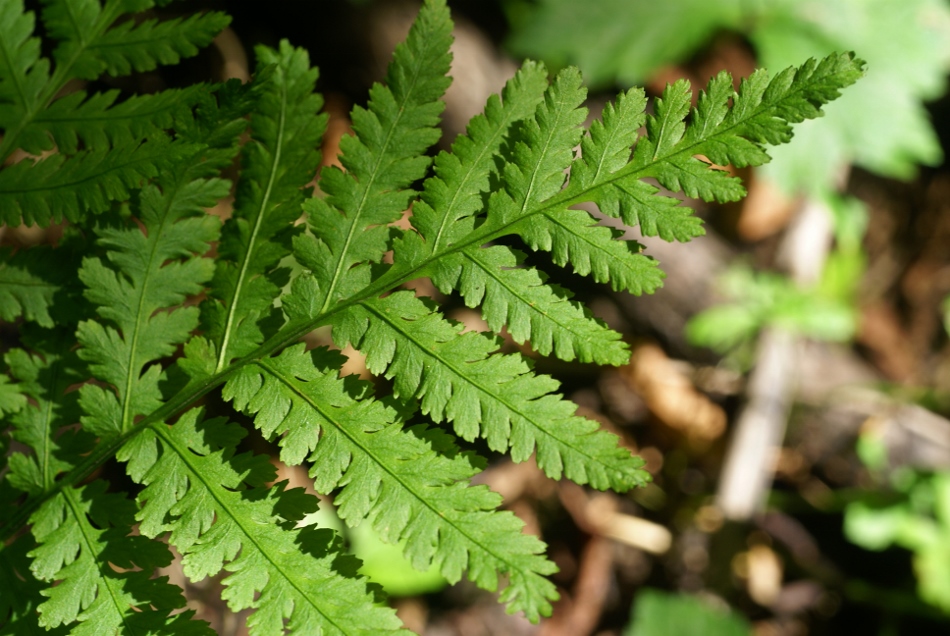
[(749, 465), (750, 460)]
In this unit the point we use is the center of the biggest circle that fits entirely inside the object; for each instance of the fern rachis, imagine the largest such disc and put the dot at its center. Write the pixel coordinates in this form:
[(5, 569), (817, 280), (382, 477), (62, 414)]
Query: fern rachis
[(134, 179)]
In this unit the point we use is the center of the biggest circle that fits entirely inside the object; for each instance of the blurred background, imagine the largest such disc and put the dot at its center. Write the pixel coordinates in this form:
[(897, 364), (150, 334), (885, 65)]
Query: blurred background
[(789, 385)]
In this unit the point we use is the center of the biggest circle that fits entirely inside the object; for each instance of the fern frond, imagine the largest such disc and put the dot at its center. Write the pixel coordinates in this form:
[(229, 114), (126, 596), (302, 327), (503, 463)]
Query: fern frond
[(381, 161), (91, 43), (532, 311), (218, 512), (88, 45), (277, 163), (144, 46), (149, 166), (23, 73), (67, 184), (72, 548), (576, 239), (153, 266), (456, 378), (44, 377), (461, 177), (43, 372), (520, 300), (411, 482), (12, 398)]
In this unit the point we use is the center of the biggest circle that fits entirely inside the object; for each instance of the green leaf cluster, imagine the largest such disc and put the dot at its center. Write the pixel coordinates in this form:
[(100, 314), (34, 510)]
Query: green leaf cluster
[(148, 304)]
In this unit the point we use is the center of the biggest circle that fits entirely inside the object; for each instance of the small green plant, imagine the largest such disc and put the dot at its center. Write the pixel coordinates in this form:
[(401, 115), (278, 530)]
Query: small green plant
[(914, 515), (148, 305), (824, 310)]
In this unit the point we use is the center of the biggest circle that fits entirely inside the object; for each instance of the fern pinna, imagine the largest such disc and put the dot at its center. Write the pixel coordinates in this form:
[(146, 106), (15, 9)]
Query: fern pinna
[(115, 353)]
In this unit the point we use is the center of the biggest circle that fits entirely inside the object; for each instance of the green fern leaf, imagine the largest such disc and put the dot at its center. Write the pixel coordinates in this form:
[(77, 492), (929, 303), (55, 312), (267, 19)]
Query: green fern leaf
[(68, 184), (520, 300), (461, 177), (90, 44), (381, 161), (151, 276), (541, 151), (496, 396), (531, 310), (12, 399), (153, 267), (89, 589), (606, 150), (148, 167), (761, 113), (37, 425), (280, 159), (38, 283), (393, 475), (99, 123), (24, 291), (59, 188), (44, 378), (577, 240), (218, 512), (23, 73), (141, 47)]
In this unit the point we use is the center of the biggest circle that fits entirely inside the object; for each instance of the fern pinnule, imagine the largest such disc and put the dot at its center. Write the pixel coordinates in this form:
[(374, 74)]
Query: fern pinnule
[(385, 156), (28, 284), (277, 163)]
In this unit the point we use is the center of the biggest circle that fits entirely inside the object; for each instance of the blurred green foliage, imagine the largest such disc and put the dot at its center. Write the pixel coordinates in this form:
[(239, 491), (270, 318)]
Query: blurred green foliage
[(659, 614), (918, 520), (824, 311)]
